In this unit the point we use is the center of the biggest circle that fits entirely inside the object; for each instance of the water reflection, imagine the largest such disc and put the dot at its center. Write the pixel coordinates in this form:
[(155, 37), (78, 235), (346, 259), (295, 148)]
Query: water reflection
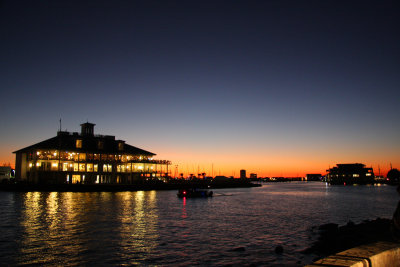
[(157, 228), (184, 214), (139, 220), (59, 228)]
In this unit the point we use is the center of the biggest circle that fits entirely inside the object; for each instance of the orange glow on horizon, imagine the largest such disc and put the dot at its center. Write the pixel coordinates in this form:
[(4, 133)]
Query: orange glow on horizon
[(262, 165), (229, 163)]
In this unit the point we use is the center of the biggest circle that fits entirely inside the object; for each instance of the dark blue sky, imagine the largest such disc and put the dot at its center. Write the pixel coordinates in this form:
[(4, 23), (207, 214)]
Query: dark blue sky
[(311, 82)]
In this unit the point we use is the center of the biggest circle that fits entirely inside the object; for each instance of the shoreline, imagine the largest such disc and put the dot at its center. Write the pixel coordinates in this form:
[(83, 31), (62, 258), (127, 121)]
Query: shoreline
[(333, 238), (140, 186)]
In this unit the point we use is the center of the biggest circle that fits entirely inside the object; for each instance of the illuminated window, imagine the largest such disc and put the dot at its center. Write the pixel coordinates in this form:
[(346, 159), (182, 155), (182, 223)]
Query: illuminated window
[(100, 145), (82, 157), (95, 167), (76, 167), (82, 167), (356, 175), (65, 167), (107, 168), (367, 174), (78, 143), (89, 167), (54, 166), (76, 178)]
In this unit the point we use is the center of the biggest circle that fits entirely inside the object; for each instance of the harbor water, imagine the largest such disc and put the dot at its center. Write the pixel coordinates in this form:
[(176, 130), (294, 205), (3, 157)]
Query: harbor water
[(240, 226)]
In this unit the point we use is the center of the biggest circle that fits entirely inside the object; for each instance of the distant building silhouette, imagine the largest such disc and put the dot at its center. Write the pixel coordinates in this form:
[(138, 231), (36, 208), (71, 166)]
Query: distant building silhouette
[(243, 174), (253, 175), (86, 158), (353, 173), (314, 177)]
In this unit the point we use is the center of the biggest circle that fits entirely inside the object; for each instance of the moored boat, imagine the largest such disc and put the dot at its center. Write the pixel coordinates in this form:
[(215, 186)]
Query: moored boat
[(194, 193)]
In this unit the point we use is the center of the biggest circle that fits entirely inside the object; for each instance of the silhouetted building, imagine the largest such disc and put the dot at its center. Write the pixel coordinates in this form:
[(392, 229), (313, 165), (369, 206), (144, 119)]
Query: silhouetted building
[(86, 158), (314, 177), (243, 174), (253, 175), (393, 176), (221, 178), (354, 173), (6, 172)]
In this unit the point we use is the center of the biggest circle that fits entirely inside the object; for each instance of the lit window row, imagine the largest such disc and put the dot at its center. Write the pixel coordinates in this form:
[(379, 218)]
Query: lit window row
[(92, 167)]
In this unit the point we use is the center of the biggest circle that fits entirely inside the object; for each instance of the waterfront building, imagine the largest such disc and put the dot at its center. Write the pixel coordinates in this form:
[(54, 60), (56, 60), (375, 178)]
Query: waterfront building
[(354, 173), (253, 175), (86, 158), (243, 174)]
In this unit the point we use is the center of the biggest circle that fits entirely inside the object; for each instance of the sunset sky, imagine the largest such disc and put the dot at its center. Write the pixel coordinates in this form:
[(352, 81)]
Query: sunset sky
[(279, 88)]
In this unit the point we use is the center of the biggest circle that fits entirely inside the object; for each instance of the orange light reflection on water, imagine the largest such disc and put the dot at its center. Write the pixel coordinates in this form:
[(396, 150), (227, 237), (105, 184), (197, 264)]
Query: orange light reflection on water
[(56, 224)]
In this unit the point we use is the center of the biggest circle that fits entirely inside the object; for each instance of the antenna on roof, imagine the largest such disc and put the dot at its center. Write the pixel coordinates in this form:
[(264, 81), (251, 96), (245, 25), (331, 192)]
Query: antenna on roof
[(60, 124)]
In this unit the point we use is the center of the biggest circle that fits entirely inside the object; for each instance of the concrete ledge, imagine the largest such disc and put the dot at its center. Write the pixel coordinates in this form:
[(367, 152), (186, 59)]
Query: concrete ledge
[(380, 254)]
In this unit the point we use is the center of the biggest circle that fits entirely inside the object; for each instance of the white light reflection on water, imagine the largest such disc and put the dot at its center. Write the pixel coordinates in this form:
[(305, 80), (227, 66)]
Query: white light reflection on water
[(238, 226)]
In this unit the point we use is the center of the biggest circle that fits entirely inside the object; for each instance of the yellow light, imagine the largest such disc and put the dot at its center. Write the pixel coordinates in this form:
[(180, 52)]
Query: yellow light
[(37, 164), (55, 153), (38, 153), (54, 164), (30, 165)]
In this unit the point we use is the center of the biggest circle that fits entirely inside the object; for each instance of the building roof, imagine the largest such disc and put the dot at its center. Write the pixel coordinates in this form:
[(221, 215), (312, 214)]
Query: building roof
[(67, 141)]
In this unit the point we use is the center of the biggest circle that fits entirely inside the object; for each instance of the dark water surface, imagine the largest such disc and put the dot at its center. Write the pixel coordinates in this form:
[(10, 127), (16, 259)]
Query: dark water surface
[(237, 226)]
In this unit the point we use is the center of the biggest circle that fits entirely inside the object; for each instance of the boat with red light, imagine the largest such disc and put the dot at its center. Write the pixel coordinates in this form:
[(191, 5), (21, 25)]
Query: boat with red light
[(192, 193)]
